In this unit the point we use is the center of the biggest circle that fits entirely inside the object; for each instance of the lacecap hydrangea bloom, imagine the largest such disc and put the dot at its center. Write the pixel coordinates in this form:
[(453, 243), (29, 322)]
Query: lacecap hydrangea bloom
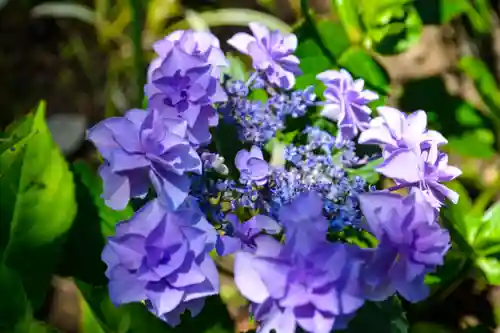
[(282, 212)]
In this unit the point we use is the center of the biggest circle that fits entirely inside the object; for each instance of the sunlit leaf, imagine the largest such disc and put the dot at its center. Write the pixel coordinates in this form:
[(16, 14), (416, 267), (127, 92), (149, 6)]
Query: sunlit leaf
[(38, 204)]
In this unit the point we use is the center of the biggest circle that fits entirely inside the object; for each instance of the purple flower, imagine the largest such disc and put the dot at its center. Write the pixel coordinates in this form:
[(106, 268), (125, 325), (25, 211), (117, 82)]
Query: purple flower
[(240, 236), (184, 82), (304, 223), (395, 130), (162, 258), (289, 289), (425, 170), (346, 103), (271, 53), (252, 166), (203, 45), (412, 244), (142, 148)]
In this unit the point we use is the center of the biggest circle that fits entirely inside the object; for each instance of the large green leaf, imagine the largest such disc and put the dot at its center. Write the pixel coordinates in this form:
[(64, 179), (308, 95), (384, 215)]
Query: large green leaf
[(135, 318), (38, 203), (93, 223), (380, 317)]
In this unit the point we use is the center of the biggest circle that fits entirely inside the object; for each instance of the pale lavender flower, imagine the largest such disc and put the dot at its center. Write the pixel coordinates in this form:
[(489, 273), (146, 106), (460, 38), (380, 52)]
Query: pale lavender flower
[(394, 130), (291, 289), (424, 169), (346, 102), (252, 166), (184, 81), (162, 258), (411, 244), (271, 53), (240, 236), (142, 148)]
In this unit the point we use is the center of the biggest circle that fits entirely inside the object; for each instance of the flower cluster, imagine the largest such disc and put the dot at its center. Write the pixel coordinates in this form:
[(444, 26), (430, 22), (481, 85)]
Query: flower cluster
[(277, 219)]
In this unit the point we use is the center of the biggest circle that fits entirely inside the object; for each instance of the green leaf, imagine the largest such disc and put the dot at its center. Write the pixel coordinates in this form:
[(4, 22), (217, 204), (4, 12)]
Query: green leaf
[(320, 43), (235, 17), (38, 204), (380, 317), (348, 13), (93, 223), (15, 311), (491, 268), (93, 184), (14, 306), (362, 65), (484, 81), (477, 144), (467, 115), (487, 244), (33, 326), (463, 219), (477, 234), (236, 69), (451, 9), (367, 171), (88, 321), (391, 26)]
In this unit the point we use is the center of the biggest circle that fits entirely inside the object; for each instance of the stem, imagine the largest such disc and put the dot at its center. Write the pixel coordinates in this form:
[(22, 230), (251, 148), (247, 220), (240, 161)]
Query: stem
[(136, 35)]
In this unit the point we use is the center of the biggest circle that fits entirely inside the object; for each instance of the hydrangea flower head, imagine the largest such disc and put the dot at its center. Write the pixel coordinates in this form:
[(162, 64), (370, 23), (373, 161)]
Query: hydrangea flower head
[(412, 244), (252, 166), (182, 82), (290, 289), (271, 53), (142, 148), (346, 102), (394, 130), (163, 258), (240, 236)]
